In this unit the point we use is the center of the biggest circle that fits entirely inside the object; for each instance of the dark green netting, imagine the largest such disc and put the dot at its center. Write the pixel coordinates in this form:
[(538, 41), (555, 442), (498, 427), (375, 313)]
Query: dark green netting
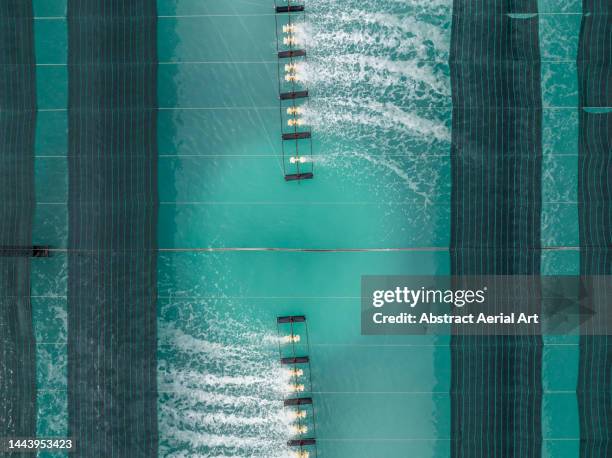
[(595, 219), (496, 159), (17, 129), (113, 204)]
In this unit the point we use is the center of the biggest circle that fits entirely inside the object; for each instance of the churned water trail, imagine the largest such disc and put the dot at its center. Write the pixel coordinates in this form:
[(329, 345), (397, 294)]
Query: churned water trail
[(378, 75), (222, 389)]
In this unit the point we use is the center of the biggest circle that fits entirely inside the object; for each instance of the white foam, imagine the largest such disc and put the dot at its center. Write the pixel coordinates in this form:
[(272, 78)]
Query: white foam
[(222, 390)]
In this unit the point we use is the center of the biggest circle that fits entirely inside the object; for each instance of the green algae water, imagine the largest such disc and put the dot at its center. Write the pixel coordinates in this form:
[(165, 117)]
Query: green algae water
[(380, 203)]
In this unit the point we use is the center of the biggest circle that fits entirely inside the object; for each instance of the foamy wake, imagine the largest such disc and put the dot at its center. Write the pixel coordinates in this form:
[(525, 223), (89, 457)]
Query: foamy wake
[(221, 393), (381, 90)]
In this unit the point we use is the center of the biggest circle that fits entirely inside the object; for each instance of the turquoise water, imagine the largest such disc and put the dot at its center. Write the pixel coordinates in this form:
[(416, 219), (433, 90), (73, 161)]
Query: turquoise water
[(380, 111)]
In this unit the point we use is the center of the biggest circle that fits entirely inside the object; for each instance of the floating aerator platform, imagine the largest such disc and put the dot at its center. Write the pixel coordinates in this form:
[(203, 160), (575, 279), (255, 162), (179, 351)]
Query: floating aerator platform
[(291, 319), (294, 95), (292, 330), (297, 402), (291, 53), (301, 442), (295, 360), (290, 9), (299, 176), (292, 92), (296, 136)]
